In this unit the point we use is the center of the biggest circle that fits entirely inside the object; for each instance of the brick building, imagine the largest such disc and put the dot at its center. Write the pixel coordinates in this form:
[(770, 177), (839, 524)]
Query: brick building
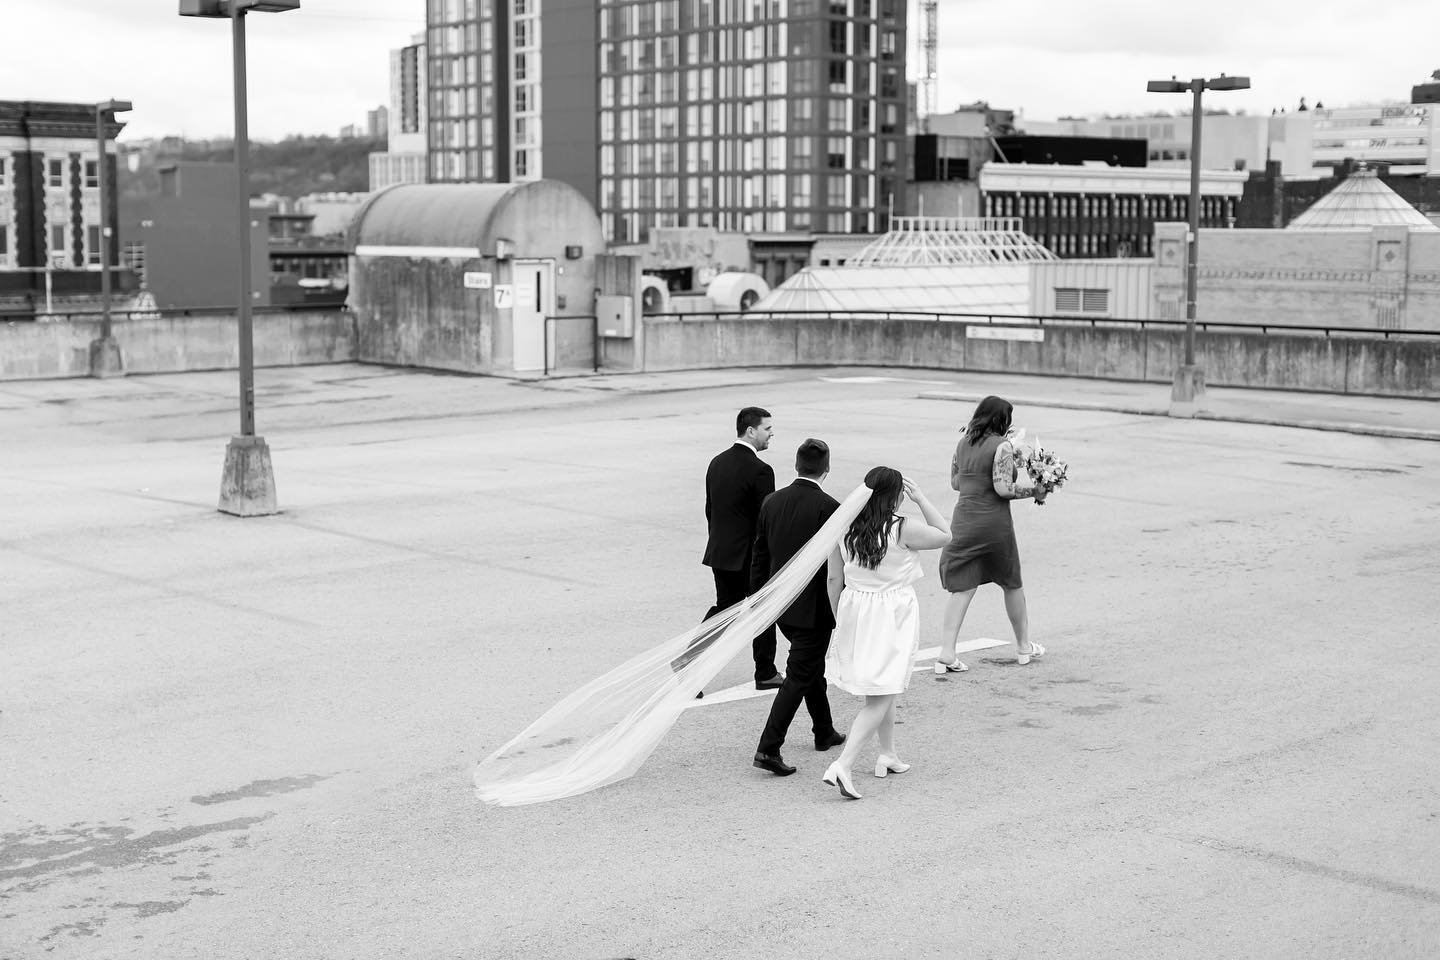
[(1104, 211), (50, 169)]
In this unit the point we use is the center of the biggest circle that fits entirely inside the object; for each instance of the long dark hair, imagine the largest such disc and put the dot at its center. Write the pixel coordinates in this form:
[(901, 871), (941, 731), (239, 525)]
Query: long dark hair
[(992, 415), (869, 535)]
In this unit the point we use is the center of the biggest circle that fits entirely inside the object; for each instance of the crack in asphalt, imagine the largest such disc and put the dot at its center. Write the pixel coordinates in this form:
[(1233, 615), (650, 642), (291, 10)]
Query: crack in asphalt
[(1298, 865)]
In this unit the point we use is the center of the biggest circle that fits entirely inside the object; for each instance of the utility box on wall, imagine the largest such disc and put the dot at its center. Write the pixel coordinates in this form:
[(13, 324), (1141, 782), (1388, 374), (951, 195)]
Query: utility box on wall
[(615, 316)]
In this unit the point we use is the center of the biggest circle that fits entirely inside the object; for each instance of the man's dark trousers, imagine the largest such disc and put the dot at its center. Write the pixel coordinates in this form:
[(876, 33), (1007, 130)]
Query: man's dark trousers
[(804, 681), (732, 586)]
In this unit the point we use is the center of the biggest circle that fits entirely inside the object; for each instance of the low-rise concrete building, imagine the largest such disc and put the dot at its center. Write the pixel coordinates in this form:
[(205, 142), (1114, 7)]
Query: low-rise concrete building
[(1360, 257), (185, 241), (499, 278)]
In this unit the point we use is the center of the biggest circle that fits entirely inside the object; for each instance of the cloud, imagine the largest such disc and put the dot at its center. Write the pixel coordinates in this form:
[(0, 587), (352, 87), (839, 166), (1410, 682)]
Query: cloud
[(1054, 58), (310, 71)]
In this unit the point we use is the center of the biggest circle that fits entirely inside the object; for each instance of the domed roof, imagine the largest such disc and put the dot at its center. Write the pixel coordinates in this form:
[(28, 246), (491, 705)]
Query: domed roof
[(458, 219), (1363, 201)]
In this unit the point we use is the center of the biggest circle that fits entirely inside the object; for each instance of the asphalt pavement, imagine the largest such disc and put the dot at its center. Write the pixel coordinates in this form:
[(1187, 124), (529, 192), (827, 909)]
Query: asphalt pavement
[(226, 738)]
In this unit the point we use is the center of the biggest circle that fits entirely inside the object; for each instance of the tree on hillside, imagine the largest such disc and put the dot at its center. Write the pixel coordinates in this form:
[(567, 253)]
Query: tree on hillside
[(292, 167)]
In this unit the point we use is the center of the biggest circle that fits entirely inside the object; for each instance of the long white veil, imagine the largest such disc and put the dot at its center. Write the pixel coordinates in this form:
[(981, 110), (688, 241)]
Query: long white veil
[(604, 731)]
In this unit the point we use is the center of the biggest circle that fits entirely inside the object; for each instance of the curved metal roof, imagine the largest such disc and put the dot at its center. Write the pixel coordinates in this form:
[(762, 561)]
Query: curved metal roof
[(442, 215)]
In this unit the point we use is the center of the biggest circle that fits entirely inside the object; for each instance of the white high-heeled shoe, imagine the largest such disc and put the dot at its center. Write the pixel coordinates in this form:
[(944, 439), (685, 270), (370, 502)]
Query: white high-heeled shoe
[(836, 775), (1036, 652), (942, 668), (886, 765)]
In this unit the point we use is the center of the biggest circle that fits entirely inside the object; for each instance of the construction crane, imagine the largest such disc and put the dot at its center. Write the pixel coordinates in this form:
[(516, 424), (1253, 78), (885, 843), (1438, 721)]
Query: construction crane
[(929, 14)]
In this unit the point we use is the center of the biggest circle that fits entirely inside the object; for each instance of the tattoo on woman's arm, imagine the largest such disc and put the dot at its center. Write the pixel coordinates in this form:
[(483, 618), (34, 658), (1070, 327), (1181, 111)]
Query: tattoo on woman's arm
[(1003, 475)]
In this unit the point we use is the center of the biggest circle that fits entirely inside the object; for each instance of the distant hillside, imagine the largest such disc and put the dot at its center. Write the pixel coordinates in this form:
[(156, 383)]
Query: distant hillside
[(293, 167)]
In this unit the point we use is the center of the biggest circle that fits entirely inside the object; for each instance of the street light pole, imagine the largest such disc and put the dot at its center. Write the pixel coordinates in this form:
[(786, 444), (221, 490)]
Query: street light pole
[(242, 220), (1187, 392), (105, 360), (1192, 252), (247, 485)]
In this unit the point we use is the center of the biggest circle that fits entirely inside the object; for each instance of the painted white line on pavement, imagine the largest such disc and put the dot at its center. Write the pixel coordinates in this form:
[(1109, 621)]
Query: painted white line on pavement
[(930, 653), (743, 691), (941, 383), (747, 691)]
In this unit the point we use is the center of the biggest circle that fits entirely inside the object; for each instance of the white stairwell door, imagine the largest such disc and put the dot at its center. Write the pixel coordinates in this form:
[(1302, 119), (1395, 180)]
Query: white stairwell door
[(534, 282)]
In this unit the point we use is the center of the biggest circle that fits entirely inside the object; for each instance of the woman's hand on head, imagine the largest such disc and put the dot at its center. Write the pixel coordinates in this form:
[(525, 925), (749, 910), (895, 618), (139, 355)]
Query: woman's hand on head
[(911, 491)]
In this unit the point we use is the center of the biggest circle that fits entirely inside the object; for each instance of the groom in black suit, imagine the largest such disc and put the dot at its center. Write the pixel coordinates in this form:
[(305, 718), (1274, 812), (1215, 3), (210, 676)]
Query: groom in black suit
[(736, 483), (788, 519)]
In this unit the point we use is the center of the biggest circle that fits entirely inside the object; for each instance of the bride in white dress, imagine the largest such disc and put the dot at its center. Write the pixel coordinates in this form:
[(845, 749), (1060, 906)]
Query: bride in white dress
[(877, 619)]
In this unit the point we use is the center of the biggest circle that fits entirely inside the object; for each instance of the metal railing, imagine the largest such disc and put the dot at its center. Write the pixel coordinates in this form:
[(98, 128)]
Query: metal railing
[(550, 342), (1042, 320), (88, 313)]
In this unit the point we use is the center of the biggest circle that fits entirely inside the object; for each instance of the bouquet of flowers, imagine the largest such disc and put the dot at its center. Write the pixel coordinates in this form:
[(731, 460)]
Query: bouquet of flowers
[(1046, 470)]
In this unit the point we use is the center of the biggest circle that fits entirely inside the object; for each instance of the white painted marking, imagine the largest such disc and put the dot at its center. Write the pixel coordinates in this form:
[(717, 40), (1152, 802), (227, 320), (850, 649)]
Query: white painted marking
[(941, 383), (747, 691), (743, 691), (930, 653), (421, 253)]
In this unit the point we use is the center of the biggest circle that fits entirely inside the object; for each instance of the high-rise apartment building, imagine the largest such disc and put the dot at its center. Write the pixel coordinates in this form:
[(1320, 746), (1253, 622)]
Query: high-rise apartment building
[(404, 161), (743, 115), (407, 96)]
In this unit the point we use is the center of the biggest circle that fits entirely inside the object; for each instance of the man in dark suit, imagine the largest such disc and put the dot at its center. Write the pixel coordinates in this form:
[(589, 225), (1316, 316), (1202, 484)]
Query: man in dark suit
[(788, 519), (736, 483)]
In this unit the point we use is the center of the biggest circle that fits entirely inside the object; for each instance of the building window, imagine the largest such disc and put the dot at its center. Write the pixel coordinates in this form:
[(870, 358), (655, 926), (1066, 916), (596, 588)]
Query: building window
[(92, 246), (56, 170), (3, 180), (4, 236), (92, 174), (57, 245)]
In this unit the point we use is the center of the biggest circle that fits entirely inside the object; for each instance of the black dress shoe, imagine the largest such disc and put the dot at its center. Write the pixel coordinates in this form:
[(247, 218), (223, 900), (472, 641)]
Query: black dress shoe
[(833, 739), (772, 684), (774, 763)]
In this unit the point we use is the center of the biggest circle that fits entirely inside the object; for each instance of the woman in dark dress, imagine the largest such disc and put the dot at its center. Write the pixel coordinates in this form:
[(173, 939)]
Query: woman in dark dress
[(982, 549)]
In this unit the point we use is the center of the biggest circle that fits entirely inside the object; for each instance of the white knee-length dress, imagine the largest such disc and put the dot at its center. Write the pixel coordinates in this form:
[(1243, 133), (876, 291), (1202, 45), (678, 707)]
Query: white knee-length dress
[(877, 623)]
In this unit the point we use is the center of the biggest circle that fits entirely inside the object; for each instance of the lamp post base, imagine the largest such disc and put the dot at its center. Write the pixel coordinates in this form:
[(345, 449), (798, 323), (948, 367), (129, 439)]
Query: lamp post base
[(247, 485), (105, 360), (1187, 393)]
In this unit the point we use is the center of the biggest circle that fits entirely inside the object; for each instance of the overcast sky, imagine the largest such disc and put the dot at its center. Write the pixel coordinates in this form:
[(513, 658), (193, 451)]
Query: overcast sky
[(318, 69)]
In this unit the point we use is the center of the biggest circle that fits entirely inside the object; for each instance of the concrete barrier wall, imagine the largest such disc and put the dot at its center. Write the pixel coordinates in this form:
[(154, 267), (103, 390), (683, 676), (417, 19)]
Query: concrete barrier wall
[(1237, 358), (174, 344), (1240, 358)]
